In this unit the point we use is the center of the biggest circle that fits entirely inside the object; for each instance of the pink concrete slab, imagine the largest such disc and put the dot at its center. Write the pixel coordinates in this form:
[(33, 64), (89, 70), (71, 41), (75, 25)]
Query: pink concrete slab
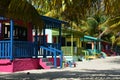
[(5, 61), (52, 60), (43, 64), (19, 65), (25, 64)]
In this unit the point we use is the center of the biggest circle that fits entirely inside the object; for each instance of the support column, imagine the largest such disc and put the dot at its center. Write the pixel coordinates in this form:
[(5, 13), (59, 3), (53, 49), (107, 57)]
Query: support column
[(72, 44), (36, 43), (94, 46), (55, 59), (11, 38), (44, 41), (99, 46), (60, 36)]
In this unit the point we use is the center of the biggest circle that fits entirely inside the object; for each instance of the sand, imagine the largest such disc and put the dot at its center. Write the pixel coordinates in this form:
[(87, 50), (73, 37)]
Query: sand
[(98, 69)]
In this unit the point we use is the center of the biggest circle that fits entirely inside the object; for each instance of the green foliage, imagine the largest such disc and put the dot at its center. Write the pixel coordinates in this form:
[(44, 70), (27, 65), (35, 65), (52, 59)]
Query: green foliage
[(112, 7), (91, 17)]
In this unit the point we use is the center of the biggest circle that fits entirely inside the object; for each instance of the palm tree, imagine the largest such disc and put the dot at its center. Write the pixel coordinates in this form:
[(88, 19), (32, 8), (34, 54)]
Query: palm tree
[(85, 15), (111, 26)]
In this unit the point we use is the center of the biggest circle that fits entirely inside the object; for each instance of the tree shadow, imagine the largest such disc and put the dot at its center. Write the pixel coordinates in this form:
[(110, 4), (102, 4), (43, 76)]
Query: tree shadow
[(117, 61), (88, 74)]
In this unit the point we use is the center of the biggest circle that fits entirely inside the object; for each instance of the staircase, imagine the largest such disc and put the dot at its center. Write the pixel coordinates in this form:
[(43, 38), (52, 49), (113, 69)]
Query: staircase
[(45, 63), (55, 52)]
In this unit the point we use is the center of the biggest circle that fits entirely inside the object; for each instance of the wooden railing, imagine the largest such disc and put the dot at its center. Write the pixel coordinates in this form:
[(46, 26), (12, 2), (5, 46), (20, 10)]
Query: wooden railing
[(23, 49), (20, 49), (47, 50), (58, 52), (54, 45), (5, 50)]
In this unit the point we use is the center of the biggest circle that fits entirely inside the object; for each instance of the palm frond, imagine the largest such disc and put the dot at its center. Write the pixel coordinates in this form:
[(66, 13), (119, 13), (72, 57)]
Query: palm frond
[(20, 10), (117, 41)]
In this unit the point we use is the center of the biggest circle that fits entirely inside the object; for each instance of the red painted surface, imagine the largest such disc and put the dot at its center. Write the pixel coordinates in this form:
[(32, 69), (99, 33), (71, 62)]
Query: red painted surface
[(29, 28), (54, 39), (24, 64), (52, 60), (19, 65), (6, 65), (5, 61), (108, 50)]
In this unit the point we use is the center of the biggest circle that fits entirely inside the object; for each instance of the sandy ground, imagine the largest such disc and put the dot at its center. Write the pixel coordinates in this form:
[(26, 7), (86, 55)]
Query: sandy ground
[(98, 69)]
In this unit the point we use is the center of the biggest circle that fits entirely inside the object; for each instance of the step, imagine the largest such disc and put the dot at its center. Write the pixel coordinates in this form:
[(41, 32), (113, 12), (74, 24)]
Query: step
[(46, 64), (49, 63), (45, 60), (5, 61), (52, 67)]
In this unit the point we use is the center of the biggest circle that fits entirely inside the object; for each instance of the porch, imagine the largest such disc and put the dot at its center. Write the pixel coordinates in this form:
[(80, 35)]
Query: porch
[(19, 49), (14, 47), (16, 38)]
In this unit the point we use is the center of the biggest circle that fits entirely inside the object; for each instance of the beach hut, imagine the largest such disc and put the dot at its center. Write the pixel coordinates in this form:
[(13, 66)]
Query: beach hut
[(108, 49), (71, 44), (91, 46), (18, 51)]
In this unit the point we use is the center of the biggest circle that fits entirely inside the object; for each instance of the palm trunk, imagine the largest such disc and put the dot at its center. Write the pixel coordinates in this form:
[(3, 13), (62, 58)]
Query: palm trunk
[(100, 35)]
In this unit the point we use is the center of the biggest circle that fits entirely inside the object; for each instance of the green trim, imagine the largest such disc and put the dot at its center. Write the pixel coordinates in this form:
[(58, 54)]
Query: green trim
[(89, 38)]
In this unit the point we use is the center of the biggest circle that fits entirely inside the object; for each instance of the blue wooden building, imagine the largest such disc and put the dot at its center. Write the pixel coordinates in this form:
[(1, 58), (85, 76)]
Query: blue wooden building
[(16, 44), (18, 51)]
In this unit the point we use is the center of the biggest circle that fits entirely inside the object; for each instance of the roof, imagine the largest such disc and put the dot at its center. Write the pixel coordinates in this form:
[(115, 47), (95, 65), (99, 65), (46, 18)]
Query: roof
[(90, 38), (76, 33), (52, 23), (20, 10), (53, 20)]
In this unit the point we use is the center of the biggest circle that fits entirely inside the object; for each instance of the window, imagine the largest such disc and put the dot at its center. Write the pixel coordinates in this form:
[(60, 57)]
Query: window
[(40, 39), (88, 46), (69, 44), (19, 33)]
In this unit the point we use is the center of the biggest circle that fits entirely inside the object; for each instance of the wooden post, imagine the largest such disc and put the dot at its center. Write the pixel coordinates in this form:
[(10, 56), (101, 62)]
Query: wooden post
[(72, 44), (55, 60), (95, 46), (60, 36), (44, 41), (11, 38), (99, 46), (61, 59), (36, 43)]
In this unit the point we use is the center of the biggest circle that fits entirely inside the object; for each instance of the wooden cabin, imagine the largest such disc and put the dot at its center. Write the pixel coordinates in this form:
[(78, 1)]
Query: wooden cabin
[(91, 46), (19, 52), (107, 48), (71, 44)]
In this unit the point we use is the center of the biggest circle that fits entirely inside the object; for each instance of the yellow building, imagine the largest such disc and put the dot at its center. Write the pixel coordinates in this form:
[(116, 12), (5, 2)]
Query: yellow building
[(71, 44)]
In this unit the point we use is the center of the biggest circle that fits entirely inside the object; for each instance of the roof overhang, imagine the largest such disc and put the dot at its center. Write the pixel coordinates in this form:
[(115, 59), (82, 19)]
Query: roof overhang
[(90, 38), (20, 10), (71, 31)]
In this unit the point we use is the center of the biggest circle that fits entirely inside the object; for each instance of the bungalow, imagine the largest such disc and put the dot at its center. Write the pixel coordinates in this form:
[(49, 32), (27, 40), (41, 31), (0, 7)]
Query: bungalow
[(18, 51)]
